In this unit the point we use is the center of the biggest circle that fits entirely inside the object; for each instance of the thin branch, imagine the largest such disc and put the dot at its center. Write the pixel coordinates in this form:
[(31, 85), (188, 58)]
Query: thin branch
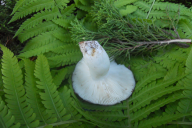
[(150, 9), (166, 41)]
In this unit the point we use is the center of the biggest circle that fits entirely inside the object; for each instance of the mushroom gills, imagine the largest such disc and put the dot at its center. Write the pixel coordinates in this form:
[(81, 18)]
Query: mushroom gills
[(99, 81)]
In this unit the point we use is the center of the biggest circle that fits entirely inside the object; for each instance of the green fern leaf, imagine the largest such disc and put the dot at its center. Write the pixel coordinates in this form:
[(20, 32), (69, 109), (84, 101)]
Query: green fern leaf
[(65, 59), (6, 118), (120, 3), (99, 122), (33, 98), (68, 10), (39, 41), (186, 26), (38, 18), (145, 101), (57, 80), (1, 83), (81, 6), (172, 73), (147, 79), (62, 3), (139, 13), (42, 49), (62, 35), (62, 75), (129, 9), (159, 120), (37, 30), (49, 95), (15, 92), (109, 116), (66, 49), (19, 4), (171, 108), (142, 5), (153, 89), (64, 22), (66, 98), (144, 112), (31, 8)]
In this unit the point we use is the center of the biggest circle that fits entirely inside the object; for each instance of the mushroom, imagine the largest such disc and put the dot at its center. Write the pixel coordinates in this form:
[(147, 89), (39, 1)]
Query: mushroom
[(99, 81)]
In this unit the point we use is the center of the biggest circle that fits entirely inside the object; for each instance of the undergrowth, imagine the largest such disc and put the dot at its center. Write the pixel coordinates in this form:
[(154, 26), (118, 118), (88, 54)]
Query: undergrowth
[(36, 87)]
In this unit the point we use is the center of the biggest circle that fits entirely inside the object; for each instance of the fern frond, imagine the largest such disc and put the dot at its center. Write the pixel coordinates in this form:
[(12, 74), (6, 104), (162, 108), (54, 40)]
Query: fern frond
[(110, 115), (19, 4), (81, 6), (68, 10), (38, 18), (32, 7), (159, 120), (62, 3), (185, 106), (6, 118), (49, 95), (68, 48), (62, 75), (186, 26), (33, 97), (145, 101), (65, 59), (37, 30), (153, 89), (66, 98), (1, 82), (147, 79), (120, 3), (144, 6), (172, 73), (65, 23), (39, 41), (129, 9), (62, 34), (15, 92), (144, 112), (42, 49), (100, 123), (139, 13)]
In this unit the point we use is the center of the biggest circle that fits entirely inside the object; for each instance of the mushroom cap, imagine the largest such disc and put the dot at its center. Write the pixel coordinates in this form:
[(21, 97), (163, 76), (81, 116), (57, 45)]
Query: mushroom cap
[(98, 81)]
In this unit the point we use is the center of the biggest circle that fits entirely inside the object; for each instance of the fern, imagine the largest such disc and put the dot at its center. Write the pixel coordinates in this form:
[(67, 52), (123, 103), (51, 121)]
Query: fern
[(42, 49), (142, 113), (32, 7), (15, 92), (19, 4), (33, 97), (38, 18), (6, 118), (50, 96), (120, 3), (39, 29), (62, 75), (65, 59), (160, 120)]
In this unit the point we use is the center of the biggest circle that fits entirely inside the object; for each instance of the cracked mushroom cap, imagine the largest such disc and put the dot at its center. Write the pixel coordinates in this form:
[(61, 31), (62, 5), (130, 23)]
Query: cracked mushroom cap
[(98, 81)]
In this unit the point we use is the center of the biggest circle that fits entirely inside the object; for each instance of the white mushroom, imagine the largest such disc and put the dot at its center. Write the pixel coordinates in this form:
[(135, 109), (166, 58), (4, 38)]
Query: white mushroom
[(98, 81)]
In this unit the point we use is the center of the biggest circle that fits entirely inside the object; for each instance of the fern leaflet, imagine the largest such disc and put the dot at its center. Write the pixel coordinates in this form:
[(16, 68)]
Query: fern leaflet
[(49, 95), (6, 118), (15, 92)]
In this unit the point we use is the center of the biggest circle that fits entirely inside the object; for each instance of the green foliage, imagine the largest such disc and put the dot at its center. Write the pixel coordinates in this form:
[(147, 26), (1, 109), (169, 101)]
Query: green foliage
[(38, 103), (7, 119), (123, 31), (53, 27)]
